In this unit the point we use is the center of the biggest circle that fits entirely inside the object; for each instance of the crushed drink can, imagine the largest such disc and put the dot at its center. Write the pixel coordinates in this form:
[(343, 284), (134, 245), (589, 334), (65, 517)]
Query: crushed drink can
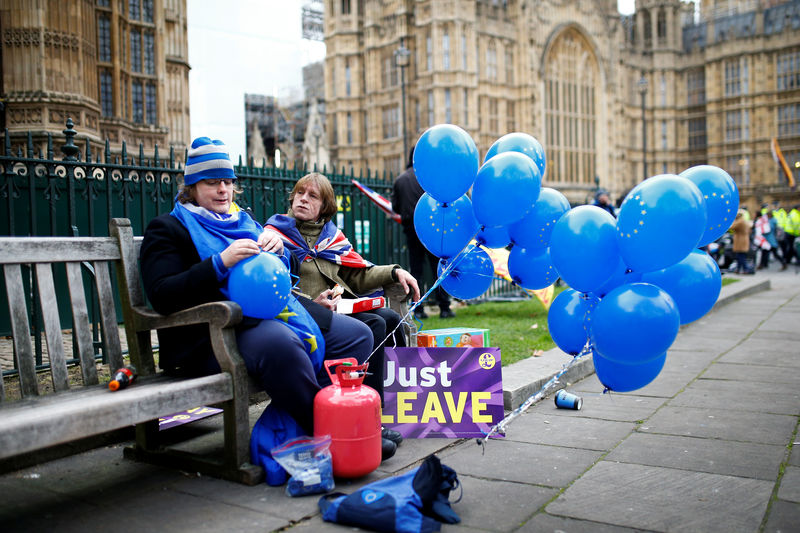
[(566, 400)]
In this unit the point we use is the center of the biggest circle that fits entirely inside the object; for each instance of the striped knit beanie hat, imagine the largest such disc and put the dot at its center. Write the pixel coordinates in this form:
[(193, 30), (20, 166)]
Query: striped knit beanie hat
[(207, 159)]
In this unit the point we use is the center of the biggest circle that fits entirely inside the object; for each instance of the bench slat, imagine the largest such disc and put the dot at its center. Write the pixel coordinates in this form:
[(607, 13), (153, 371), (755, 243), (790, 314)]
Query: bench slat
[(108, 315), (52, 326), (59, 418), (23, 347), (80, 324), (57, 249)]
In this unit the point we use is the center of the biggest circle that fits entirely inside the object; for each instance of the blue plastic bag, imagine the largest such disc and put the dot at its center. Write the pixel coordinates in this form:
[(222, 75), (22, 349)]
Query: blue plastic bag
[(308, 461)]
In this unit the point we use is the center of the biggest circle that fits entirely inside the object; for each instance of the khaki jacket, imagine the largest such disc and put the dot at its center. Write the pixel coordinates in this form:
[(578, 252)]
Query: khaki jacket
[(317, 275), (741, 235)]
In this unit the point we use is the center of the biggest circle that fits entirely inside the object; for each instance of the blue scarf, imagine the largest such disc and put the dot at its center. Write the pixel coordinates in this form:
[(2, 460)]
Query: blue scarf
[(212, 233)]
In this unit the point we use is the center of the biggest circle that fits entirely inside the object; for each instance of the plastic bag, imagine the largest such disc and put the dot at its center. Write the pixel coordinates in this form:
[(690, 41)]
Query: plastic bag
[(308, 461)]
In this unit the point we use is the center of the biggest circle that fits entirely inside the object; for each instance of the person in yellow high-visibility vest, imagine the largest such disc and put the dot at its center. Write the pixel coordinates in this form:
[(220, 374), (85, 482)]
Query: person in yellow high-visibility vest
[(782, 219), (792, 232)]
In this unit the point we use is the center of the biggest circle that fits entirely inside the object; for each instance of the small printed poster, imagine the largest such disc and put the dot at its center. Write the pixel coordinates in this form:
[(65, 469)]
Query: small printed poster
[(184, 417), (442, 392)]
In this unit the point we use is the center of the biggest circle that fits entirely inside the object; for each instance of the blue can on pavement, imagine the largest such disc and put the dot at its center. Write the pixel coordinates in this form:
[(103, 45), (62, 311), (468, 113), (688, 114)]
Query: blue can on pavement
[(566, 400)]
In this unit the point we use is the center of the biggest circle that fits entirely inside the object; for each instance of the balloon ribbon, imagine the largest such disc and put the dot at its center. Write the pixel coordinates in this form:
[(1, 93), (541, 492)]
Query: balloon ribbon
[(500, 427)]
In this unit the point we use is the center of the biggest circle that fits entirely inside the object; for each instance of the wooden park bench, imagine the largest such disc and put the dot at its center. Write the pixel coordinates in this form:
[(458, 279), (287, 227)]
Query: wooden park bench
[(74, 412)]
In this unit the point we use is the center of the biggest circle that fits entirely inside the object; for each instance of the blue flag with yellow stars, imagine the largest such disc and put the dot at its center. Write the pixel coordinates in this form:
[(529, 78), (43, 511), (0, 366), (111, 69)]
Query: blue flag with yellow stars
[(300, 322)]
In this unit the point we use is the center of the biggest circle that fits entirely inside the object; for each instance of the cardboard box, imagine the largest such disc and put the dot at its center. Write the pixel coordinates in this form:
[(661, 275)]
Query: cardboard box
[(349, 306), (453, 338)]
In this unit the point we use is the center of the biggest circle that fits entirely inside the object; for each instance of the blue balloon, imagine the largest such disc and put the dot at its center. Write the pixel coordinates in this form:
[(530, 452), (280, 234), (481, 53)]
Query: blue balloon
[(660, 222), (621, 276), (493, 237), (506, 189), (531, 269), (260, 285), (444, 229), (620, 377), (583, 247), (446, 162), (471, 277), (694, 283), (534, 230), (635, 323), (722, 199), (519, 142), (565, 320)]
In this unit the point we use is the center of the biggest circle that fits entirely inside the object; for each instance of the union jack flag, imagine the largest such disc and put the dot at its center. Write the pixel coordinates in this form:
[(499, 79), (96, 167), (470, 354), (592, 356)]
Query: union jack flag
[(332, 245), (384, 204)]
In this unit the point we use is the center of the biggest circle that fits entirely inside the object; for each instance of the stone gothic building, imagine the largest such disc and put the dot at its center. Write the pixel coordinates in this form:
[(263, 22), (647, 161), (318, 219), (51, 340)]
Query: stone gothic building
[(613, 98), (118, 68)]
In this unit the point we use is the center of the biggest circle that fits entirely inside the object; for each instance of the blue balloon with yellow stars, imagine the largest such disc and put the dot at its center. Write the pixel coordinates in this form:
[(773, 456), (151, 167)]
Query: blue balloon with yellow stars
[(694, 283), (446, 162), (566, 321), (533, 231), (621, 377), (621, 276), (583, 247), (531, 269), (260, 285), (661, 220), (470, 277), (493, 236), (506, 189), (519, 142), (635, 323), (722, 199), (444, 229)]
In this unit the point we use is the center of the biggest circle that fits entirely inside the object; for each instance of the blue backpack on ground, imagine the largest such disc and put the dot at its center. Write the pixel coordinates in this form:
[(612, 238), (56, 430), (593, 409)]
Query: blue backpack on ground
[(413, 502)]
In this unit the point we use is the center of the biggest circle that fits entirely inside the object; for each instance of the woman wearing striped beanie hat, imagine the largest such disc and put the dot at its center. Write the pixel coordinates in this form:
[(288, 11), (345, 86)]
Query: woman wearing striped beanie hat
[(207, 159)]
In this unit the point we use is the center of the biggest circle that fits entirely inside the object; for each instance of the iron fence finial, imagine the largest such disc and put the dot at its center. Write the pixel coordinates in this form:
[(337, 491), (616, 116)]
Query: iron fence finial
[(69, 149)]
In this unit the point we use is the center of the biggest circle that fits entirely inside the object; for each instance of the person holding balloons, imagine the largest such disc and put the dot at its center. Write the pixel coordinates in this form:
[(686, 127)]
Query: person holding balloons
[(193, 255), (328, 262)]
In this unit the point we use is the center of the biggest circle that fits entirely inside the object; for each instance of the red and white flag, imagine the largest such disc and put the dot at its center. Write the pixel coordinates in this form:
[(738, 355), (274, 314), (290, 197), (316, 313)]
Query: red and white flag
[(384, 204)]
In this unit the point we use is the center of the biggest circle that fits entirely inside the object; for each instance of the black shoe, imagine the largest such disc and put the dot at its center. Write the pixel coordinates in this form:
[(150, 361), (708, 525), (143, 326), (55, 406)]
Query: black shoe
[(446, 313), (392, 435), (420, 313), (387, 449)]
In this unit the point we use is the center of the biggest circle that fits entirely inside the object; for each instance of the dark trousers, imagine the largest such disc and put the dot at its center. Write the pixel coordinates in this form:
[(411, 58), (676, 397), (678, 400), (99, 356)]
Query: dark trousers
[(418, 255), (381, 322), (776, 251), (741, 263), (276, 358), (787, 246)]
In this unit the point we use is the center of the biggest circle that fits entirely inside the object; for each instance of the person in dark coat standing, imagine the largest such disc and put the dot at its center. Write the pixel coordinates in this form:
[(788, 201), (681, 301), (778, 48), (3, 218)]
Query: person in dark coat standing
[(602, 201), (405, 195)]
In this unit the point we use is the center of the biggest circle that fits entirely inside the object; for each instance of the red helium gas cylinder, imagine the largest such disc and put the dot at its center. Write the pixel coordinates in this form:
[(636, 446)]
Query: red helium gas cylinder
[(351, 414)]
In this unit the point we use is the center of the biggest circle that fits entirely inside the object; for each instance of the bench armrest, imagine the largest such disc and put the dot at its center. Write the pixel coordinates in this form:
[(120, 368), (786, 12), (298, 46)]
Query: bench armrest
[(217, 314), (396, 300), (220, 316)]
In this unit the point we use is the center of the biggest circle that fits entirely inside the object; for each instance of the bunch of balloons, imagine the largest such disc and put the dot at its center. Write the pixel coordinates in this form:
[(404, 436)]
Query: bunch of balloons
[(633, 280), (636, 279), (505, 189)]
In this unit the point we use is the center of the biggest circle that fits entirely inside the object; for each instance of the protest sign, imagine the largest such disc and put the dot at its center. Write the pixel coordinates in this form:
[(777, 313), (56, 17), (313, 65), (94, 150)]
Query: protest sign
[(442, 392)]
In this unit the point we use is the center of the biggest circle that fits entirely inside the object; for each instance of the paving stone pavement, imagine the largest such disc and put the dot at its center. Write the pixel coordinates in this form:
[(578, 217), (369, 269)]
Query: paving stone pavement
[(708, 446)]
